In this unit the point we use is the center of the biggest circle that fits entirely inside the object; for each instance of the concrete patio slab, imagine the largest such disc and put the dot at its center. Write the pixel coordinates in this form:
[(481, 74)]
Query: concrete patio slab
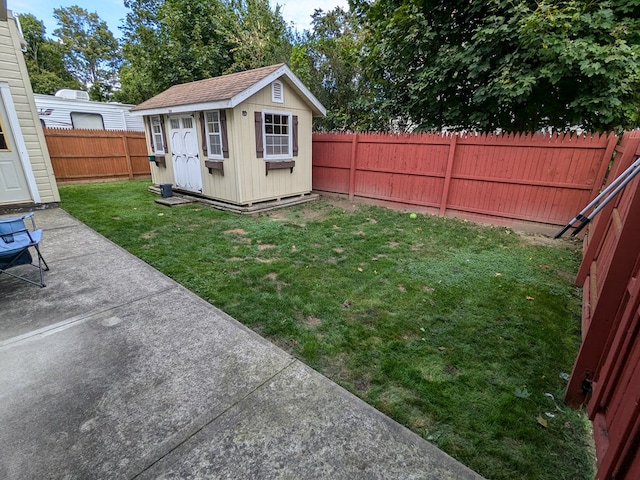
[(115, 371)]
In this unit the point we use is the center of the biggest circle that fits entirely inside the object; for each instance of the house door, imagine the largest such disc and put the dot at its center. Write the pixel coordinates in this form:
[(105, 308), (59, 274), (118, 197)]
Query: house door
[(13, 182), (184, 151)]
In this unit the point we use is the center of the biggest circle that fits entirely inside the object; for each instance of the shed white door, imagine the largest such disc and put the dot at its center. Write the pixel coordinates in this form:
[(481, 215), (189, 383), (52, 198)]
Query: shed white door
[(184, 151), (13, 183)]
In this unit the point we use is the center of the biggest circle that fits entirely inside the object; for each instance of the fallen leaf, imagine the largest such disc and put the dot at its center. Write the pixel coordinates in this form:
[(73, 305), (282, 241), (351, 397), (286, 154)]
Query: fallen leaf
[(442, 349), (529, 297), (498, 274), (549, 414), (541, 421), (360, 269)]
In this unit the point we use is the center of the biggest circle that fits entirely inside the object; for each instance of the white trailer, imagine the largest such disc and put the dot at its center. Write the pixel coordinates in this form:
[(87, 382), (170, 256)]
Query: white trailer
[(73, 109)]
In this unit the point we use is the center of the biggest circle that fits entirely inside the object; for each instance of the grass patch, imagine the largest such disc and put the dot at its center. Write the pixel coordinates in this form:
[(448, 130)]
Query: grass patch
[(460, 332)]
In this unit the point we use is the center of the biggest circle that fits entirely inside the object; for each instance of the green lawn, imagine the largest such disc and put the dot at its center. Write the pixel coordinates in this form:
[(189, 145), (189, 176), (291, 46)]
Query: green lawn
[(462, 333)]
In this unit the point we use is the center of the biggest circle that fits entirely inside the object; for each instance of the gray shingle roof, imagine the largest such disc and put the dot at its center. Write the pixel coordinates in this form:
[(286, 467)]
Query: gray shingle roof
[(209, 90)]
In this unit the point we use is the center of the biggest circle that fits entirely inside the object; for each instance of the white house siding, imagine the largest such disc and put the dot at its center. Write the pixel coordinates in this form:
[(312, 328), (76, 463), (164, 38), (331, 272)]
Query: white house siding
[(254, 185), (13, 70)]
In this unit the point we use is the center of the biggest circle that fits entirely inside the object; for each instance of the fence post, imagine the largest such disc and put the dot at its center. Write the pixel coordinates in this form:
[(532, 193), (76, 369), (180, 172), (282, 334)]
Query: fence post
[(352, 166), (612, 141), (447, 177), (128, 156)]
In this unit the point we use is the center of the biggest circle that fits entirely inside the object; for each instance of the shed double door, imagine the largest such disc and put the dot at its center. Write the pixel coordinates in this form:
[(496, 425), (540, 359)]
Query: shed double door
[(184, 152)]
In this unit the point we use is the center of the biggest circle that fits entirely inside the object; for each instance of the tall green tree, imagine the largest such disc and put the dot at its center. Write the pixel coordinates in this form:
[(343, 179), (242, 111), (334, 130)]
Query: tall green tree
[(167, 42), (44, 58), (260, 36), (327, 59), (508, 64), (91, 52)]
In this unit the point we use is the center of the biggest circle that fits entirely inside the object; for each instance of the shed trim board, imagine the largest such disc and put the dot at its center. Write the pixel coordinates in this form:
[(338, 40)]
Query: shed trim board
[(23, 154)]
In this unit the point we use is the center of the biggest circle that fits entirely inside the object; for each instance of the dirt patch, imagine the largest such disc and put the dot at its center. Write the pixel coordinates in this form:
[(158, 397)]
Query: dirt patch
[(342, 203), (149, 235), (402, 288), (265, 246), (393, 244), (266, 260), (312, 321), (451, 370), (338, 249), (304, 214), (235, 231), (361, 384), (273, 276), (416, 247), (537, 239), (237, 259)]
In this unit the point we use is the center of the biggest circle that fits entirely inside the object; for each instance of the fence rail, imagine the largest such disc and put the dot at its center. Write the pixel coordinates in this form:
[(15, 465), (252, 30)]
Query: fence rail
[(529, 177), (91, 155)]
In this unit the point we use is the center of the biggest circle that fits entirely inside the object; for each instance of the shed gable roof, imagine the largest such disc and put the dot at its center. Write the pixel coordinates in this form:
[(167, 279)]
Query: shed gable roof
[(225, 91)]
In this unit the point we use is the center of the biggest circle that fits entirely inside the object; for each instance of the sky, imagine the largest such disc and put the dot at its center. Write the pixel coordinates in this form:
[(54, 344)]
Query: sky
[(113, 11)]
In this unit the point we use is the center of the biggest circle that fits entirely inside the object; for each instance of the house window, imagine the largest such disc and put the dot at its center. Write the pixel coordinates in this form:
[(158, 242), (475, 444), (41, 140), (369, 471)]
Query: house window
[(4, 145), (91, 121), (157, 137), (214, 134), (277, 93), (277, 135)]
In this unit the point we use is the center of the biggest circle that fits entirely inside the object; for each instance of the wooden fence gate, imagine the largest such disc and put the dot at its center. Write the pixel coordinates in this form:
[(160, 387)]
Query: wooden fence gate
[(606, 374)]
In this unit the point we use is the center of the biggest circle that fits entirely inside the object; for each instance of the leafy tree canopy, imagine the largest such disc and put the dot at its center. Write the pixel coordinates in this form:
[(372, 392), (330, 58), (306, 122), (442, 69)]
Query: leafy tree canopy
[(175, 41), (44, 59), (509, 64), (91, 52), (327, 60)]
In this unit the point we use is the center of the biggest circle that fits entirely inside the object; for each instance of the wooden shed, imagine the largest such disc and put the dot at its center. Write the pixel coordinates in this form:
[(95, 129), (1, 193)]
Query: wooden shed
[(26, 174), (242, 138)]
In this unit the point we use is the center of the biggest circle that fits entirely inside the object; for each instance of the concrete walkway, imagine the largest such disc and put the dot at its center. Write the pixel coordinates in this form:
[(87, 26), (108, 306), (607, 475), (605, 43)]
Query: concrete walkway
[(115, 371)]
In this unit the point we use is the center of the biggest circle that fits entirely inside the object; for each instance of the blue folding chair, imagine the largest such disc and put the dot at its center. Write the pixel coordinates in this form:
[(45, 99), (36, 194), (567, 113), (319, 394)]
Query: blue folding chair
[(15, 241)]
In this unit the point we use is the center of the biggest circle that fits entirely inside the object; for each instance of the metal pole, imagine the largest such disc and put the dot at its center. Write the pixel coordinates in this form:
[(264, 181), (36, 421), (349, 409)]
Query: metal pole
[(586, 220), (612, 185)]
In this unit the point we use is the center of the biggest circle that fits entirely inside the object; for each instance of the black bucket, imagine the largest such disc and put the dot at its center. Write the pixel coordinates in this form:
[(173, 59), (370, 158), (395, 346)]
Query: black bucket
[(165, 190)]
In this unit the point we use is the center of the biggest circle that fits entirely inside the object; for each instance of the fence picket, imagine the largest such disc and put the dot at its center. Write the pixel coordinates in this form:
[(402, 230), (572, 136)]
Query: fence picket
[(535, 177)]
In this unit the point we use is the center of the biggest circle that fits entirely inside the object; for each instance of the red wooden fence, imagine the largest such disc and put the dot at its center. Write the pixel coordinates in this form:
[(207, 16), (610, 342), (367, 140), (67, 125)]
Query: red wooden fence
[(530, 177), (606, 373), (90, 155)]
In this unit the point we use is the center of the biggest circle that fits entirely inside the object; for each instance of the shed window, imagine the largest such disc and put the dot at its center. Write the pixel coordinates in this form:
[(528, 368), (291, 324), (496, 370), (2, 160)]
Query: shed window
[(277, 94), (157, 135), (215, 144), (87, 120), (214, 134), (277, 135)]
